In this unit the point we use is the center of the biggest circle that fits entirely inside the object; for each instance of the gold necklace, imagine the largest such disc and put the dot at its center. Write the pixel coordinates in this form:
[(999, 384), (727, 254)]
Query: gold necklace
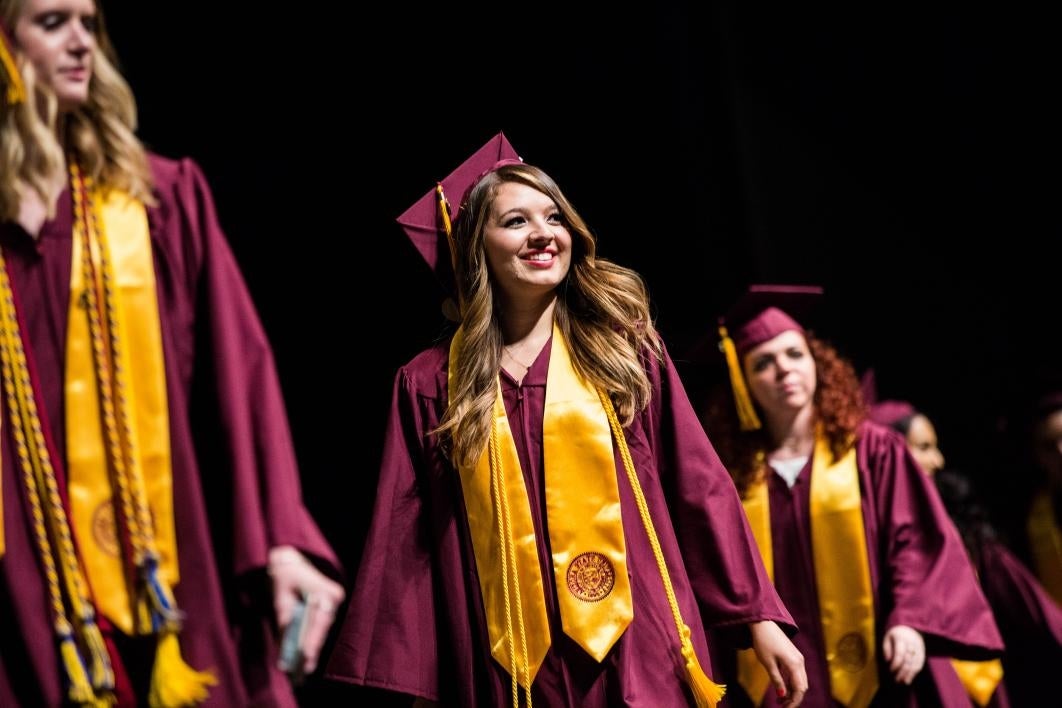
[(511, 356)]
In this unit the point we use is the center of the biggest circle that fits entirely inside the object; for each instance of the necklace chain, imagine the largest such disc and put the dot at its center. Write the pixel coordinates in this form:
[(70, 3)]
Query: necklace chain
[(513, 357)]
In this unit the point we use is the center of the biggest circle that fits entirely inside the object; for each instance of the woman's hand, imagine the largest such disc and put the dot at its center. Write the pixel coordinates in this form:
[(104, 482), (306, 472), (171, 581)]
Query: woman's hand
[(295, 578), (905, 651), (783, 661)]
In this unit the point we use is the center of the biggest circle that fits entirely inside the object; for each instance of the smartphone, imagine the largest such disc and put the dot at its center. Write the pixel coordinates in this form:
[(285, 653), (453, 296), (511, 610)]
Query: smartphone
[(290, 653)]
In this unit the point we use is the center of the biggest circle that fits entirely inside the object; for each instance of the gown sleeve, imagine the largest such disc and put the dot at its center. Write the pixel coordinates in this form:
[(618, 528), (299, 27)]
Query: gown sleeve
[(718, 548), (929, 578), (235, 373), (388, 638)]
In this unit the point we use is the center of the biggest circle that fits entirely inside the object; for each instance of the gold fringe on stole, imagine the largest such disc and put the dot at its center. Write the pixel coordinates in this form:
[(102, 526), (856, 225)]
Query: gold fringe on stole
[(742, 399), (706, 693), (979, 678), (1045, 542)]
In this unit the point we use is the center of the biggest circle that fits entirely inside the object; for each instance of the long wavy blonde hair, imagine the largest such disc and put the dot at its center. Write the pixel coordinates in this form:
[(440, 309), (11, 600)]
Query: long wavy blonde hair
[(602, 310), (101, 134)]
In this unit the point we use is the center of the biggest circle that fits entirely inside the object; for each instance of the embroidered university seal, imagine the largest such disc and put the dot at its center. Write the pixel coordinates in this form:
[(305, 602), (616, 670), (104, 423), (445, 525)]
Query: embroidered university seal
[(104, 532), (591, 576), (852, 652)]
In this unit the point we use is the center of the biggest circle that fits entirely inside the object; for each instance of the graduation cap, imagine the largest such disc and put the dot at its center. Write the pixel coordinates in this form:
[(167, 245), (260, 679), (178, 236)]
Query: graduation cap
[(889, 413), (429, 221), (761, 314), (9, 73)]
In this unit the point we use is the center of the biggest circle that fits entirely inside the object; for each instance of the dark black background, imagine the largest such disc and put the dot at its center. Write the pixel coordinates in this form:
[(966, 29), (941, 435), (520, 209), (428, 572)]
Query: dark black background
[(905, 159)]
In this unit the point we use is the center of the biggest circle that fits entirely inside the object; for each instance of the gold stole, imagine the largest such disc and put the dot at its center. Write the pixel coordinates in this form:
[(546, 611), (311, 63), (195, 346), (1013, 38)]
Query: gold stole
[(584, 524), (979, 678), (1045, 541), (842, 577), (92, 493)]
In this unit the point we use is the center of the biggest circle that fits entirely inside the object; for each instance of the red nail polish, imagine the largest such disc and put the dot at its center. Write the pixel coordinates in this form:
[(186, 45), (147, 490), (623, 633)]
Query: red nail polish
[(780, 692)]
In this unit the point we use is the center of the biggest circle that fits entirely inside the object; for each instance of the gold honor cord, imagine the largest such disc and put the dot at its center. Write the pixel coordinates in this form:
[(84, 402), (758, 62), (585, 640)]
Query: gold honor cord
[(588, 564), (706, 693), (1045, 541), (103, 381), (84, 658), (503, 541), (130, 399)]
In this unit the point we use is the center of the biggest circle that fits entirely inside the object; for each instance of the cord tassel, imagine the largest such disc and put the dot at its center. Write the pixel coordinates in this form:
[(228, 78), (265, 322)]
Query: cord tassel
[(706, 693), (80, 690), (164, 614), (174, 683), (745, 410), (99, 660)]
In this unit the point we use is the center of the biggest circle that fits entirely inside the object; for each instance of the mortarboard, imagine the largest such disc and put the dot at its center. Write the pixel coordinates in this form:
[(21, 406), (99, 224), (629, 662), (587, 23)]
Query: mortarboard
[(891, 413), (428, 221), (761, 314), (9, 72)]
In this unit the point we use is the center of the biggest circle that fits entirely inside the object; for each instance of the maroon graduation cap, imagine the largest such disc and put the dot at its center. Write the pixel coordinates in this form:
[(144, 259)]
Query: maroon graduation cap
[(890, 412), (765, 311), (761, 314), (428, 221)]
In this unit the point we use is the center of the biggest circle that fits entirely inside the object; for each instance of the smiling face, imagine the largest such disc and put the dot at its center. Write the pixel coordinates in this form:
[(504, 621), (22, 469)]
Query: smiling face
[(58, 37), (527, 243), (781, 374)]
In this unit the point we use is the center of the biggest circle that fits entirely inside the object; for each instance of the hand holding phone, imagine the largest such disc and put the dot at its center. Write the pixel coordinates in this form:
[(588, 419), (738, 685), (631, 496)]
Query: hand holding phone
[(291, 658)]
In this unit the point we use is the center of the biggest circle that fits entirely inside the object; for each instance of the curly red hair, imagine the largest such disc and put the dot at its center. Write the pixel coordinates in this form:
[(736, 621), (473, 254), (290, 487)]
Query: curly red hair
[(839, 407)]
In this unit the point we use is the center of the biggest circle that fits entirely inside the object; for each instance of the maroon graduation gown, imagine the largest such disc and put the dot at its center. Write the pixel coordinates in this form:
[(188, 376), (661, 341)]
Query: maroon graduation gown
[(1031, 625), (920, 573), (236, 485), (416, 623)]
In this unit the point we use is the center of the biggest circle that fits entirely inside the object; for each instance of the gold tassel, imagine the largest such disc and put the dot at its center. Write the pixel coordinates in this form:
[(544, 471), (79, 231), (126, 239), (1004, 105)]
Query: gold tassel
[(173, 682), (80, 688), (745, 410), (16, 90), (100, 660), (706, 693)]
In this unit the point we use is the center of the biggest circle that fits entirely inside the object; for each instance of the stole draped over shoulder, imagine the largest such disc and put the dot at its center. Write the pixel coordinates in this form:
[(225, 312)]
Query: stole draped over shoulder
[(920, 574), (235, 484), (416, 622)]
